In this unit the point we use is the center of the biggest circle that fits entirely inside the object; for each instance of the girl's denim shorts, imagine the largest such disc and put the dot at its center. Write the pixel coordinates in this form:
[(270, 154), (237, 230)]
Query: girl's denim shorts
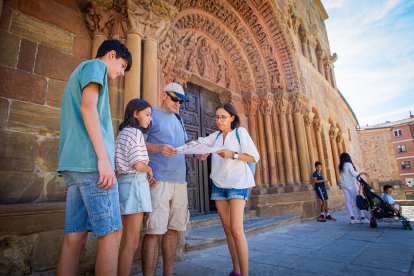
[(134, 193), (218, 193)]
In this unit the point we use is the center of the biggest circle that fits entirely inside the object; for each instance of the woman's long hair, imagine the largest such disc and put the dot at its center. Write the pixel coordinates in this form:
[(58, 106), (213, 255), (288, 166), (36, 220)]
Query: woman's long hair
[(343, 158), (129, 120), (232, 111)]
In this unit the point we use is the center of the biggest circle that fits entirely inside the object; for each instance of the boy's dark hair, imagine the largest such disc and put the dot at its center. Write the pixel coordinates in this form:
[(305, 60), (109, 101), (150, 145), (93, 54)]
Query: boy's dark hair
[(343, 158), (118, 47), (386, 187), (318, 163), (129, 120), (232, 111)]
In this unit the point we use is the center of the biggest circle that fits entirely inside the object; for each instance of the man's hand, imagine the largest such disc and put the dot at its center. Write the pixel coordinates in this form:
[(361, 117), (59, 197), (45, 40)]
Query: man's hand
[(168, 150), (202, 156), (106, 175)]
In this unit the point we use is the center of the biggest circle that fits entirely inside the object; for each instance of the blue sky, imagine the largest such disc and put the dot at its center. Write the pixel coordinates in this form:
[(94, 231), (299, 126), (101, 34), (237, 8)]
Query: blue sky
[(374, 40)]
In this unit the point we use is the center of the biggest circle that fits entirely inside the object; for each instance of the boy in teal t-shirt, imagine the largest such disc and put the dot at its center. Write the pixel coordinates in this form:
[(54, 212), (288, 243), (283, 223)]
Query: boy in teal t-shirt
[(86, 160)]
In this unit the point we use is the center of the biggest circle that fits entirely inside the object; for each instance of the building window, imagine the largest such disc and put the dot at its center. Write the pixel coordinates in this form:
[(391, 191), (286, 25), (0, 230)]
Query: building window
[(402, 148), (405, 165), (397, 133)]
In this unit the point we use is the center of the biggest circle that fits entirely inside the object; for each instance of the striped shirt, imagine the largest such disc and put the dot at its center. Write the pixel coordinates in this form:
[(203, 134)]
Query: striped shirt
[(130, 149)]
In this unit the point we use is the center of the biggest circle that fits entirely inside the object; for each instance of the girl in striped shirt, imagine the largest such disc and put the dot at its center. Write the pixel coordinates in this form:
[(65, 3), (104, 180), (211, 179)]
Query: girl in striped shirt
[(135, 178)]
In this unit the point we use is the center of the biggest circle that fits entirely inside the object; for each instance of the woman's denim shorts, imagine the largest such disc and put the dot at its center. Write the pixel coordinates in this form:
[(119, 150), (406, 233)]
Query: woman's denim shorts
[(218, 193), (88, 207)]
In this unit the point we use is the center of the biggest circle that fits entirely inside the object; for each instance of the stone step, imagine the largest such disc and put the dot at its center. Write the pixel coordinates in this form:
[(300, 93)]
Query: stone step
[(210, 219), (212, 235)]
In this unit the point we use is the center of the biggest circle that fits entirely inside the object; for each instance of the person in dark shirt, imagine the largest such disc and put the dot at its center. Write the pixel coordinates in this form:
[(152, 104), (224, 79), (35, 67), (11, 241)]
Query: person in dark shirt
[(320, 189)]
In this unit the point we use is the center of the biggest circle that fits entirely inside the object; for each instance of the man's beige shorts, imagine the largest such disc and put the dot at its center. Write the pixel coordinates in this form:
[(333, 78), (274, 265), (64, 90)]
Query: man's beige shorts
[(169, 208)]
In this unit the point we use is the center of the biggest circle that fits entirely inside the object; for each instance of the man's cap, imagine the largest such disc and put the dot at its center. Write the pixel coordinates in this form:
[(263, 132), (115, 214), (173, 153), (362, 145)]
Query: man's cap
[(177, 89)]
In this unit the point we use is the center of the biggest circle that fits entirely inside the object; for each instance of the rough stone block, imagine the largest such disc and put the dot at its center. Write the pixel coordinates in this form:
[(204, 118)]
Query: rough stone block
[(42, 32), (54, 64), (82, 44), (9, 49), (46, 247), (46, 154), (113, 97), (67, 18), (19, 187), (14, 84), (34, 117), (15, 255), (54, 188), (6, 16), (16, 153), (27, 55), (55, 91), (25, 219), (4, 112)]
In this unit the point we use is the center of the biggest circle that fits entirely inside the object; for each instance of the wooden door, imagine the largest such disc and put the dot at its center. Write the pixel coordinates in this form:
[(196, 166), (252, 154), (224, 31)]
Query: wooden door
[(198, 116)]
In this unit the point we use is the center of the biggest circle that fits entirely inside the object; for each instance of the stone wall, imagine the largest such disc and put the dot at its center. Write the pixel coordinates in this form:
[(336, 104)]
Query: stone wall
[(378, 156)]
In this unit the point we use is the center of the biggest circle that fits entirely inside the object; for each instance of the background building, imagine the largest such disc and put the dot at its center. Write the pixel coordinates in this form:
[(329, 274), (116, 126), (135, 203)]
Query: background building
[(388, 153), (270, 59)]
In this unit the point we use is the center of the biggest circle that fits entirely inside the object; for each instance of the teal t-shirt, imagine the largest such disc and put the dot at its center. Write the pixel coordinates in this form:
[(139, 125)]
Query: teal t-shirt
[(76, 152)]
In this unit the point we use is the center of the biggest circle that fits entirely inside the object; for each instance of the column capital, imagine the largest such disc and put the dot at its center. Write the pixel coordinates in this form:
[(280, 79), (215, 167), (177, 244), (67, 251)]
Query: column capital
[(333, 132), (149, 18), (267, 103), (281, 102), (339, 136), (309, 118), (99, 17), (317, 125), (250, 102), (230, 97), (299, 102)]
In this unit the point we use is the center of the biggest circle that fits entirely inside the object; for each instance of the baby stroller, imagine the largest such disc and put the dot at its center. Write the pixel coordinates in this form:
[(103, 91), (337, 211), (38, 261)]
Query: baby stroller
[(378, 207)]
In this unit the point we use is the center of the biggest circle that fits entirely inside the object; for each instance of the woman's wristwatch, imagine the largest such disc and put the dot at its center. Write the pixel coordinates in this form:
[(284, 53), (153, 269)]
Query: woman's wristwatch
[(235, 155)]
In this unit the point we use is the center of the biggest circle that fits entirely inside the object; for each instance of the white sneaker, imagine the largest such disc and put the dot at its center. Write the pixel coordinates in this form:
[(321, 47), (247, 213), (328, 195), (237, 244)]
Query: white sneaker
[(354, 221), (364, 220)]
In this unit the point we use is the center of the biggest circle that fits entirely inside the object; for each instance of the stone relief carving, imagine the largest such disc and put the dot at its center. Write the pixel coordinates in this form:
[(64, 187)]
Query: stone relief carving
[(281, 102), (251, 102), (317, 126), (308, 118), (267, 102), (333, 132), (99, 20), (299, 102)]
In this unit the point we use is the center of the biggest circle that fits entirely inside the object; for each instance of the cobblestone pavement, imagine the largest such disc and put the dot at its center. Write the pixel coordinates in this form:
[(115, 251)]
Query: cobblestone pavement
[(320, 248)]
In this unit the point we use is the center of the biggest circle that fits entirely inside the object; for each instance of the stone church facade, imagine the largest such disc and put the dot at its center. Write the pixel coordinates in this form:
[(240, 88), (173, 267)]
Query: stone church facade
[(270, 59)]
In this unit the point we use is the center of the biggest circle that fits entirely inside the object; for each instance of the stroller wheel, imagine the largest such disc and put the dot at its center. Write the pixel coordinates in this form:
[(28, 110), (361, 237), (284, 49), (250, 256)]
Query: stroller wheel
[(405, 226), (409, 225), (373, 223)]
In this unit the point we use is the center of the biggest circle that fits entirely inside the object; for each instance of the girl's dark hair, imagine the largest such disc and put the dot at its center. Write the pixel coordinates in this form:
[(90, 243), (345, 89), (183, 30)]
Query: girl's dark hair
[(129, 120), (343, 158), (118, 47), (317, 163), (232, 111)]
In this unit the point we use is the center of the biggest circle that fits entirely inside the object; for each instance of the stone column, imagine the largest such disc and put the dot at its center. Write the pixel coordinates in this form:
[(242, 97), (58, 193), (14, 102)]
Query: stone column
[(339, 141), (318, 129), (150, 25), (251, 102), (281, 107), (262, 151), (327, 70), (302, 37), (293, 147), (308, 122), (333, 132), (320, 61), (299, 102), (96, 42), (266, 109), (150, 72), (278, 146), (133, 77)]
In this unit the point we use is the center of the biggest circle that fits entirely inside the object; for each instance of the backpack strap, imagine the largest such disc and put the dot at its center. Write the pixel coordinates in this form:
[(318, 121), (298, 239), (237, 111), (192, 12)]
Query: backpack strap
[(237, 135), (182, 123)]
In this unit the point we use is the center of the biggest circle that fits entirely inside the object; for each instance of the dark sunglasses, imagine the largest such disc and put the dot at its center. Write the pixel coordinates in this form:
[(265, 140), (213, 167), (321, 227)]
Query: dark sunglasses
[(175, 99)]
